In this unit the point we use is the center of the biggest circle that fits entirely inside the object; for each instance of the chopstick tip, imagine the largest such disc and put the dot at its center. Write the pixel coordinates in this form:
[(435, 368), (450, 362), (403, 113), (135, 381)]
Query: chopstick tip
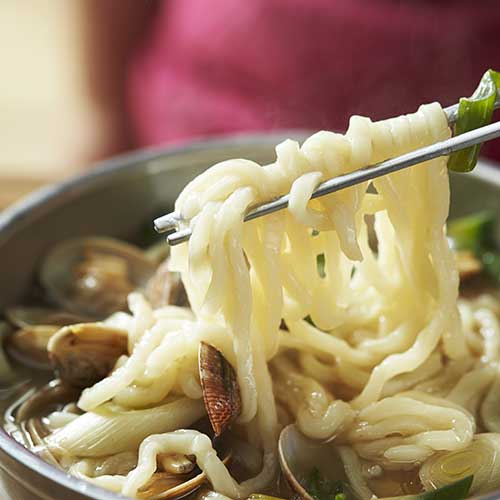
[(167, 222), (179, 237)]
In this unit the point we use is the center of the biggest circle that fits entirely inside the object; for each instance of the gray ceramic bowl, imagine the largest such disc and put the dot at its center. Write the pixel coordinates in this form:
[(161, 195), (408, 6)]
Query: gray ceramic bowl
[(118, 198)]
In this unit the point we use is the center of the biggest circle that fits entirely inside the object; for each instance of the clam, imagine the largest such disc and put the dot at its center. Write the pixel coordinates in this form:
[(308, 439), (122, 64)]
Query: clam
[(221, 393), (167, 485), (24, 317), (164, 485), (36, 325), (10, 381), (29, 345), (166, 287), (85, 353), (51, 396), (176, 463), (300, 456), (93, 276)]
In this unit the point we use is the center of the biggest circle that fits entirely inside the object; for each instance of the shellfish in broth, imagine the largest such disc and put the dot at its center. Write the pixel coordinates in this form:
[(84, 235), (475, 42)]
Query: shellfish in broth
[(85, 353), (93, 276)]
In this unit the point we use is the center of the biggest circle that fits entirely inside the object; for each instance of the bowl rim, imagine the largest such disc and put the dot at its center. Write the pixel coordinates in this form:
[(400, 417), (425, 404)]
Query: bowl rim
[(46, 197)]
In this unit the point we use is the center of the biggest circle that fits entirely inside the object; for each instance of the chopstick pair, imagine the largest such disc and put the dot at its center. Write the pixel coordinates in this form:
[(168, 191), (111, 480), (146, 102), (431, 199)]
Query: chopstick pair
[(171, 221)]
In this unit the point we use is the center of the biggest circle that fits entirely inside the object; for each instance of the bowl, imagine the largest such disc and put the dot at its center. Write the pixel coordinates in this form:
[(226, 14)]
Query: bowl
[(120, 198)]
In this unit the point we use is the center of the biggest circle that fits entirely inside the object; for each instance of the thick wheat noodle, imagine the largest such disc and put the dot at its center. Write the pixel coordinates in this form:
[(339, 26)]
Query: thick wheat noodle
[(375, 323)]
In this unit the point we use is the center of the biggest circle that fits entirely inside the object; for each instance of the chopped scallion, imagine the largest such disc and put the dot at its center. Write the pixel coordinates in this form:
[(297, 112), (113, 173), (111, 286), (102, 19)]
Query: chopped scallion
[(321, 488), (453, 491), (472, 232), (476, 233), (474, 112)]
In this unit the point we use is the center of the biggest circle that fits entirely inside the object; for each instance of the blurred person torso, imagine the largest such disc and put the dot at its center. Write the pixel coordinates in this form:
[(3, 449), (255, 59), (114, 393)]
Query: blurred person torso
[(210, 68)]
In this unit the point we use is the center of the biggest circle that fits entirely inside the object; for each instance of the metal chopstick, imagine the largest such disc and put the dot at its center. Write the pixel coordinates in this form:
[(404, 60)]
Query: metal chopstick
[(170, 221)]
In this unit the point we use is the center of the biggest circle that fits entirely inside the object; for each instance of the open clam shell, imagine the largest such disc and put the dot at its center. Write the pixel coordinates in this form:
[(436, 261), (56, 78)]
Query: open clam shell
[(299, 456), (93, 276), (50, 396), (176, 463), (35, 327), (86, 353), (165, 485)]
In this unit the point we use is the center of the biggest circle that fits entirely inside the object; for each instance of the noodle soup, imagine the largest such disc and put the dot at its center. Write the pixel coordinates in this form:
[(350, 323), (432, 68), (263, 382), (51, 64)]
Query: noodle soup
[(305, 353)]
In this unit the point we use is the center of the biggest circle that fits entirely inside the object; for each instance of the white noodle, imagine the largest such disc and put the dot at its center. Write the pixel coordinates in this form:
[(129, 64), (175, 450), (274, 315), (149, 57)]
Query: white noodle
[(376, 321)]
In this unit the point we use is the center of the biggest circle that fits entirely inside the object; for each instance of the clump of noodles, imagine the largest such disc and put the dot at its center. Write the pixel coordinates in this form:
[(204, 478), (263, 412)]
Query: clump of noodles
[(373, 344)]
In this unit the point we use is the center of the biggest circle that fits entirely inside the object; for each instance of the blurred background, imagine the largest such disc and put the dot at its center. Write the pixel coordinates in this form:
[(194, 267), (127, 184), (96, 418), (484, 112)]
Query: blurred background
[(83, 80)]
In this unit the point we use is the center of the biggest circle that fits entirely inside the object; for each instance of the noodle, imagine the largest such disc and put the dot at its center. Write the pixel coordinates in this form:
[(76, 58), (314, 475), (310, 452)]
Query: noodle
[(375, 355)]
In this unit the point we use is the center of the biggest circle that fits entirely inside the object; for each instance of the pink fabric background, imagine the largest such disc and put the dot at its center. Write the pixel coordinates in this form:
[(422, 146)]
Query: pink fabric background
[(216, 66)]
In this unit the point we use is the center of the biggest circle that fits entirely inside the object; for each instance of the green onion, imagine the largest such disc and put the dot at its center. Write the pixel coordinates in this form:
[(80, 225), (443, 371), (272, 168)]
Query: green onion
[(454, 491), (321, 488), (474, 112), (473, 232), (476, 233), (491, 263)]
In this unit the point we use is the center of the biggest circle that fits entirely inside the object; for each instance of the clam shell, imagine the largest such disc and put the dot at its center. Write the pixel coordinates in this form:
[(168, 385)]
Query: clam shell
[(176, 463), (299, 455), (64, 268), (24, 317), (39, 403), (29, 345), (86, 353), (221, 393), (164, 485)]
